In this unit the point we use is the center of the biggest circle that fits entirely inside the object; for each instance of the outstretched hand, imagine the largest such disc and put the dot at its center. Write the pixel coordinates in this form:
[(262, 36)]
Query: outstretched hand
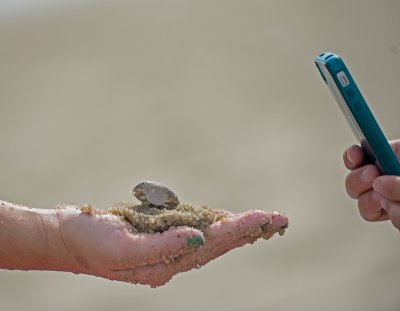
[(106, 246)]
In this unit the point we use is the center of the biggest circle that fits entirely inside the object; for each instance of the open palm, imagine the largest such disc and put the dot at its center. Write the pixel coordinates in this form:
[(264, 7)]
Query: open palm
[(106, 246)]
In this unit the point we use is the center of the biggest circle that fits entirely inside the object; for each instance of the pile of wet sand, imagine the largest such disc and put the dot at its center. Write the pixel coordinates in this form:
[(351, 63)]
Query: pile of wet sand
[(151, 219)]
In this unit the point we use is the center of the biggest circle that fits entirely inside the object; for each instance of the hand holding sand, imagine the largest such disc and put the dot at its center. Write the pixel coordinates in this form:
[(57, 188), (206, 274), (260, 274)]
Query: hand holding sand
[(132, 243), (105, 246)]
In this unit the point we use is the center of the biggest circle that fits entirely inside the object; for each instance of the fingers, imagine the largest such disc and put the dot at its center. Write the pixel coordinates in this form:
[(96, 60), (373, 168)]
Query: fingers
[(388, 186), (146, 249), (160, 273), (354, 157), (369, 205), (253, 222), (381, 203), (360, 180)]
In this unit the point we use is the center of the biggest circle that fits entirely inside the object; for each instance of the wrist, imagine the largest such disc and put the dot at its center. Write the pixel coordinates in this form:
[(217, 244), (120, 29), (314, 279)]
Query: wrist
[(67, 237), (30, 239), (59, 254)]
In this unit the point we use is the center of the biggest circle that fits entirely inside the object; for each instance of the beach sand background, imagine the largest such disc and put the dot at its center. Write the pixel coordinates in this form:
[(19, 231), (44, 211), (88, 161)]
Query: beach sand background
[(221, 101)]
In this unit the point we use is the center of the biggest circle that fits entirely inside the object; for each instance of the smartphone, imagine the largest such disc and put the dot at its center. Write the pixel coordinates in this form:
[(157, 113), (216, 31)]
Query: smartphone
[(360, 118)]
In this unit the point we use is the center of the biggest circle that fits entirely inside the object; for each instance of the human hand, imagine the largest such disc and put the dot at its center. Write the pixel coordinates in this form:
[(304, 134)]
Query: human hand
[(106, 246), (378, 196)]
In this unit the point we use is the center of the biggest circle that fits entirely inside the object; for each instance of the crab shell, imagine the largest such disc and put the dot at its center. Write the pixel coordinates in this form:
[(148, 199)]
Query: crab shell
[(155, 194)]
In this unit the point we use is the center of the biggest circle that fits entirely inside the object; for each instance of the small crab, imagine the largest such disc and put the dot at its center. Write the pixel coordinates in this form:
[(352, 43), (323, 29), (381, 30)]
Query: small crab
[(155, 194)]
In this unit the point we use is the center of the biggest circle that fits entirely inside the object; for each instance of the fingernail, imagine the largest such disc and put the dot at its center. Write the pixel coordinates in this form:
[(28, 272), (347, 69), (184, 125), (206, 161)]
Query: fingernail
[(195, 241), (349, 157), (383, 204), (366, 175)]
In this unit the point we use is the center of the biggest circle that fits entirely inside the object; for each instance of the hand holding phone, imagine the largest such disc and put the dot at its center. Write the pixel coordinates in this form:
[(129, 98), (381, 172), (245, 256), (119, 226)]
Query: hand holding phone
[(360, 118), (378, 196)]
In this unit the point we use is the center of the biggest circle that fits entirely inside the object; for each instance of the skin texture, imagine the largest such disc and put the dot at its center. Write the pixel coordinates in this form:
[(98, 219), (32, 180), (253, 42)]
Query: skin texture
[(65, 239), (378, 196)]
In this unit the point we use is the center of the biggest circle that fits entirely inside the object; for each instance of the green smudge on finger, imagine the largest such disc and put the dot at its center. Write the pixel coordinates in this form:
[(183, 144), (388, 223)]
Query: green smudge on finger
[(195, 241)]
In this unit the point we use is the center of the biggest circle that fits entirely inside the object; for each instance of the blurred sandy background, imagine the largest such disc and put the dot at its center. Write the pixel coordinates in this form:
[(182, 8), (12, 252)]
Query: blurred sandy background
[(221, 101)]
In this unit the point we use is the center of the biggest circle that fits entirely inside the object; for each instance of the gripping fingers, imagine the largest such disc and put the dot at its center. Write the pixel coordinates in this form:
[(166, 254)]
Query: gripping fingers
[(389, 187), (369, 205), (353, 157), (360, 180)]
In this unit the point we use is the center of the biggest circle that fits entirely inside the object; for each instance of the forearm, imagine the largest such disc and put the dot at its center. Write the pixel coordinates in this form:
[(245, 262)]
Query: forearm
[(30, 239)]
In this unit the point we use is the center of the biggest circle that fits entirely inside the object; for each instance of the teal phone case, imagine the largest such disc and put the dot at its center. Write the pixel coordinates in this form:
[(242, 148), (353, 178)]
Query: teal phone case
[(358, 115)]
